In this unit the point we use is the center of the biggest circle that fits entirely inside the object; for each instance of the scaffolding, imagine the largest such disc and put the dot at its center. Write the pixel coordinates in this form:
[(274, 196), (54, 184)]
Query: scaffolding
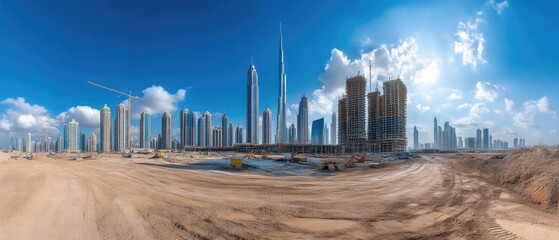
[(355, 107), (393, 116)]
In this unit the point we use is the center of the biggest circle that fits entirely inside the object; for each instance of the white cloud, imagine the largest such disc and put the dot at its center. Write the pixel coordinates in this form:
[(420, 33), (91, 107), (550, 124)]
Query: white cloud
[(470, 42), (387, 60), (477, 109), (508, 104), (84, 115), (531, 108), (455, 94), (157, 100), (422, 108), (487, 91), (464, 106), (499, 7), (541, 105), (21, 117)]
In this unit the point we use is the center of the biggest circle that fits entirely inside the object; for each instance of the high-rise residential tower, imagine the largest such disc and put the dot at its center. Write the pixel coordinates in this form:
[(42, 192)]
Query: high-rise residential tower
[(342, 121), (394, 115), (486, 138), (303, 121), (230, 138), (334, 130), (292, 133), (166, 131), (73, 135), (188, 128), (145, 129), (252, 105), (105, 130), (281, 130), (239, 134), (120, 126), (92, 143), (28, 140), (267, 126), (415, 138), (217, 137), (478, 139), (435, 133), (317, 132), (201, 131), (224, 127), (208, 131)]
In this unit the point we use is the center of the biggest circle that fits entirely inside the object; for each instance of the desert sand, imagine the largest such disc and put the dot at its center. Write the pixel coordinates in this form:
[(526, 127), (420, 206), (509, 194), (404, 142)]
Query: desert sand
[(434, 197)]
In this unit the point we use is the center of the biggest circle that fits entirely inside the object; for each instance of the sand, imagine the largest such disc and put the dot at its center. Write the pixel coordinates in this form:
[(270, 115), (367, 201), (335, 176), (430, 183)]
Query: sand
[(140, 198)]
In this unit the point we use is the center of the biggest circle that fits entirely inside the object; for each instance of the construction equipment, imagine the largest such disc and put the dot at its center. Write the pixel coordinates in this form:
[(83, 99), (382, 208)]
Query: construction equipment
[(299, 158), (159, 154), (127, 155), (264, 154), (237, 162), (250, 155), (130, 97), (29, 156)]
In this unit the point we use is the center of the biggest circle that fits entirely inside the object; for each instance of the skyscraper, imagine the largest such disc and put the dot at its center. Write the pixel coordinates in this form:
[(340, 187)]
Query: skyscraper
[(317, 132), (201, 131), (267, 126), (166, 131), (486, 138), (252, 105), (239, 134), (105, 130), (342, 121), (478, 139), (394, 115), (333, 130), (281, 130), (230, 138), (145, 129), (92, 143), (356, 134), (374, 123), (120, 132), (224, 126), (188, 128), (73, 135), (415, 138), (208, 125), (292, 133), (66, 137), (435, 133), (28, 140), (326, 134), (303, 121), (217, 135)]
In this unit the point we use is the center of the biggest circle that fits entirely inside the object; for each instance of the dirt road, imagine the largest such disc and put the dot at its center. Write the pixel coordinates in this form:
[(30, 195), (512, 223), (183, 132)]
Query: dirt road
[(128, 199)]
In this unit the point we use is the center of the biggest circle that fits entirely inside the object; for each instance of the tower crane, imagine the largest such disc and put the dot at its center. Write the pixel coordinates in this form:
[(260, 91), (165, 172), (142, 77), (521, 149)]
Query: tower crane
[(130, 97)]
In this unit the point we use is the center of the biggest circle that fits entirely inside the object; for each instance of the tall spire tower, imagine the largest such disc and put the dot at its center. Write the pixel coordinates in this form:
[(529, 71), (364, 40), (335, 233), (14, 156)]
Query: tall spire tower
[(281, 130)]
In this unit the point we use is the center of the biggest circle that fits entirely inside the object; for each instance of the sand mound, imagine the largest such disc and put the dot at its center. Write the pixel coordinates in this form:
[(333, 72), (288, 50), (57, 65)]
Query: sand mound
[(532, 172)]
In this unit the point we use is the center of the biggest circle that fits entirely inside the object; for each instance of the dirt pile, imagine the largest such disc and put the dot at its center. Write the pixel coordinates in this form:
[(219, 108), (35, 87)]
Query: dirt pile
[(533, 172)]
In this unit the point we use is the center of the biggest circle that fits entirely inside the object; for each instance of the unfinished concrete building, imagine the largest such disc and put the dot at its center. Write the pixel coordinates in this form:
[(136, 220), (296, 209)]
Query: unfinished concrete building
[(342, 121), (356, 136), (390, 117)]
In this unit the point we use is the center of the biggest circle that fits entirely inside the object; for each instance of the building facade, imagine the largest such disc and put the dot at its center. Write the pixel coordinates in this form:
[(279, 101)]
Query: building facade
[(252, 105), (166, 131), (303, 121), (120, 126), (317, 132), (105, 130), (281, 130), (267, 126), (145, 129)]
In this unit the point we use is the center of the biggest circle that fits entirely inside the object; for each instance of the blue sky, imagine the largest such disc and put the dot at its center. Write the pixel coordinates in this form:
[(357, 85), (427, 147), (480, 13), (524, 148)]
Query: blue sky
[(473, 63)]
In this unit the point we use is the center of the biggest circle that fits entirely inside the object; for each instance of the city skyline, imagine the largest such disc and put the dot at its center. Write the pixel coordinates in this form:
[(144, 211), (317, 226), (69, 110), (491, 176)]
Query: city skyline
[(486, 90)]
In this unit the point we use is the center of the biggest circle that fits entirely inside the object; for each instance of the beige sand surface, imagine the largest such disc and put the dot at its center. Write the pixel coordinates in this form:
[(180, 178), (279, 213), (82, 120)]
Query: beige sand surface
[(115, 198)]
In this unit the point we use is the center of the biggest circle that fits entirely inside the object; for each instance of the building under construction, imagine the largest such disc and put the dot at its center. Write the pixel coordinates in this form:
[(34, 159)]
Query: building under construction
[(351, 109), (387, 118)]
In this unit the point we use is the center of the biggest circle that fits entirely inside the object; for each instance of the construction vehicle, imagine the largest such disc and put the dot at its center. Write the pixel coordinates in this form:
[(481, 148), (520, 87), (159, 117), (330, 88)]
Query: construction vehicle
[(250, 155), (29, 156), (160, 155), (237, 162), (127, 155), (264, 154), (298, 158)]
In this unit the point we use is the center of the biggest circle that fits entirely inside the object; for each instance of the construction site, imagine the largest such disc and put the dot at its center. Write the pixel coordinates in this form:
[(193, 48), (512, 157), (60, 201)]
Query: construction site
[(386, 117), (257, 195)]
